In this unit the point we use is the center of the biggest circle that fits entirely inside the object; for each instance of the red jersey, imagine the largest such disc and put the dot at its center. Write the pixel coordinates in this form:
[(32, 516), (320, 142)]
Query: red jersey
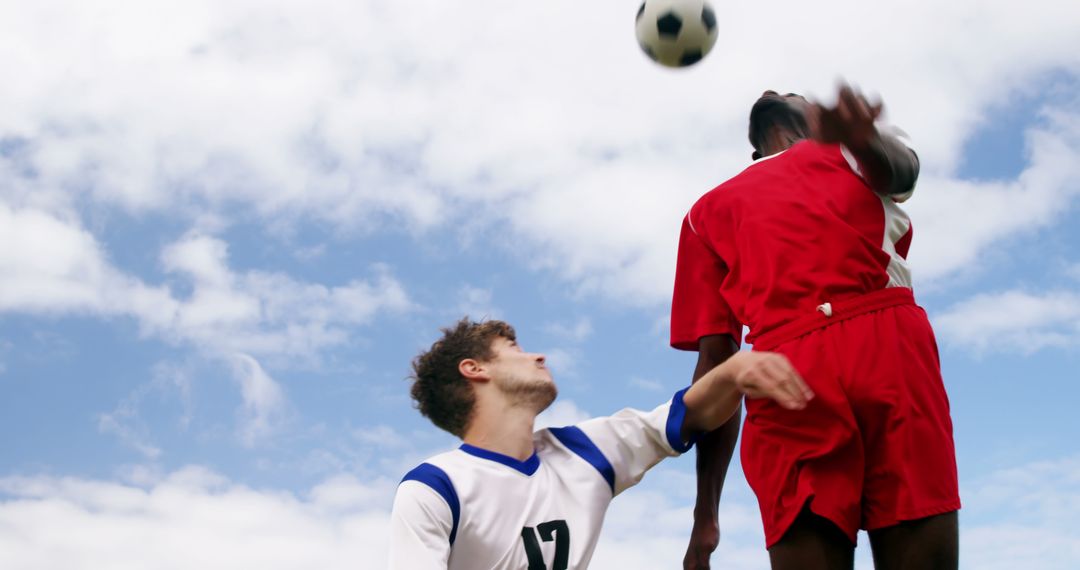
[(790, 233)]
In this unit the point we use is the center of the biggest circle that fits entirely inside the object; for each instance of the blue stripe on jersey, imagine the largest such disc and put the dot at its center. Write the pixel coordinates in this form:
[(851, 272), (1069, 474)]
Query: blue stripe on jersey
[(528, 467), (575, 440), (675, 419), (438, 480)]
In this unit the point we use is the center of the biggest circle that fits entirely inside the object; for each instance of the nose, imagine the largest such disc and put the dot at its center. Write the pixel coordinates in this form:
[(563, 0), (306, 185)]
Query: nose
[(540, 359), (769, 92)]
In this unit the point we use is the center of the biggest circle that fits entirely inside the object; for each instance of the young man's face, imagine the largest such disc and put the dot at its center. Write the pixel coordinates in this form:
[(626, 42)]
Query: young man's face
[(521, 375)]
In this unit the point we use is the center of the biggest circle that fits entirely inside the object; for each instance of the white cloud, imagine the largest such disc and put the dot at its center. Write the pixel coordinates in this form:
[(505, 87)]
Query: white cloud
[(646, 384), (563, 362), (67, 272), (372, 113), (269, 313), (136, 417), (476, 303), (1025, 517), (264, 406), (577, 332), (644, 529), (176, 378), (370, 451), (957, 221), (380, 436), (50, 265), (192, 518), (1013, 321), (228, 315), (125, 423)]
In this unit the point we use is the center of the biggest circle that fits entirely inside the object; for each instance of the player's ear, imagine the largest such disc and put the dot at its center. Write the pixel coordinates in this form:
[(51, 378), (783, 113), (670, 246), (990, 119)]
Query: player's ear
[(473, 370)]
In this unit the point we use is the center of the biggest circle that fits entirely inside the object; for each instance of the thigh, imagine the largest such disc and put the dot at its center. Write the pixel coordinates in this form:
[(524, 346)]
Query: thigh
[(813, 542), (893, 379), (931, 543), (814, 455)]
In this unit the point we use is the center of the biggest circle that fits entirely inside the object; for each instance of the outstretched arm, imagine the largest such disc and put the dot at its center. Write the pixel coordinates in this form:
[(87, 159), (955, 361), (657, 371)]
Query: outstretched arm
[(723, 375), (886, 163), (713, 400)]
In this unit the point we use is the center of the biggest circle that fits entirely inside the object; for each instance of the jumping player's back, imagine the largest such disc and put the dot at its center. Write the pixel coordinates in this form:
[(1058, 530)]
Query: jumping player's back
[(799, 229)]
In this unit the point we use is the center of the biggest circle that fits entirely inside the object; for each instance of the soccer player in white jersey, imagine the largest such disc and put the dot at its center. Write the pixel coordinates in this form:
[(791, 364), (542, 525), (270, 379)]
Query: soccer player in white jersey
[(512, 498)]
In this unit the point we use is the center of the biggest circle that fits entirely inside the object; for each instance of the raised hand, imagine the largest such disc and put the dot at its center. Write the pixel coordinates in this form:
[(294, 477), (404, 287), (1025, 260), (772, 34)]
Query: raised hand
[(851, 121)]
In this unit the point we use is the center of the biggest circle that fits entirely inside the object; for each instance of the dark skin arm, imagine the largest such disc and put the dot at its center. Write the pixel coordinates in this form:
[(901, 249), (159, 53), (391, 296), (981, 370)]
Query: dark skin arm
[(888, 165), (713, 457)]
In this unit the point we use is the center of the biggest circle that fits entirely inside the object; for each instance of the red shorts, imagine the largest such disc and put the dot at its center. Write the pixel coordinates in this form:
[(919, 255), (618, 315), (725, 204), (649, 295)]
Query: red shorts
[(874, 447)]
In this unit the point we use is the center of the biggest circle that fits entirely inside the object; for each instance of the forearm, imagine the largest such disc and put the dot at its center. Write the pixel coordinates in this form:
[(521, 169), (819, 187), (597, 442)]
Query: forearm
[(714, 452), (721, 379), (887, 164), (713, 402)]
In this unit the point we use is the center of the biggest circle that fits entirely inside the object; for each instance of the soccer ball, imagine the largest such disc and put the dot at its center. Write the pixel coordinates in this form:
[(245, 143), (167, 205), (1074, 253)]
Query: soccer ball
[(676, 33)]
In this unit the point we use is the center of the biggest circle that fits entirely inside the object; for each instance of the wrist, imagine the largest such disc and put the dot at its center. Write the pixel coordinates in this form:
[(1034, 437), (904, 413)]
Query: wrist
[(868, 143)]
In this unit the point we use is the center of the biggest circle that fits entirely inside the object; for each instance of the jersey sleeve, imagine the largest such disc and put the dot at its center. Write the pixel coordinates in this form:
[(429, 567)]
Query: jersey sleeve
[(421, 525), (697, 309), (633, 441)]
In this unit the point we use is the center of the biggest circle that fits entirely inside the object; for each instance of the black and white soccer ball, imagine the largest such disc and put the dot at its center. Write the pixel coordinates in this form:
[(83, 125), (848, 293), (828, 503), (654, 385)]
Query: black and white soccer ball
[(676, 33)]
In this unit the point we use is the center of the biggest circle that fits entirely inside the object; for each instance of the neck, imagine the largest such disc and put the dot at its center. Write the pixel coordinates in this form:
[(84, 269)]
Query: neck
[(779, 142), (503, 429)]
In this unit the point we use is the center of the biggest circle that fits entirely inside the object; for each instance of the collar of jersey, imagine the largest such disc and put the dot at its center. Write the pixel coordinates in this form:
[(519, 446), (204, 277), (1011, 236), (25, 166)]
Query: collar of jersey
[(528, 467), (773, 155)]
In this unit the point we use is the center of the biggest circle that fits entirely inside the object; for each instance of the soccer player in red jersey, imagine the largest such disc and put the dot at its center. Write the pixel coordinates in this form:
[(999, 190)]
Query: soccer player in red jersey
[(807, 248)]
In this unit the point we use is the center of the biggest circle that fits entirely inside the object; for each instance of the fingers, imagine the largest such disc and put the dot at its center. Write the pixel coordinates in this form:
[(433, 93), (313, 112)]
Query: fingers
[(790, 385), (852, 120), (770, 375), (854, 108), (876, 109)]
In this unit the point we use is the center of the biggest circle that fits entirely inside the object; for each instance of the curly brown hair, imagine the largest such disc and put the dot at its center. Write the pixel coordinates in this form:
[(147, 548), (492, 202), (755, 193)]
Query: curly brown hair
[(441, 393)]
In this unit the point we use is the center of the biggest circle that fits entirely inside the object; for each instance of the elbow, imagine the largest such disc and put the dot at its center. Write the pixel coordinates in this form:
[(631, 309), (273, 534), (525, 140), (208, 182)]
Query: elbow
[(905, 171)]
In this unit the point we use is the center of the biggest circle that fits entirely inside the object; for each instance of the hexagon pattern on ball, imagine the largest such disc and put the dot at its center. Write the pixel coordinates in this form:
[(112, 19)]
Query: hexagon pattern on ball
[(676, 33)]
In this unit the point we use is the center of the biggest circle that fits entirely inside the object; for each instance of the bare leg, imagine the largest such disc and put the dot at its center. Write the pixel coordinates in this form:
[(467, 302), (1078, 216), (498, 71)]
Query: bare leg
[(931, 543), (813, 543)]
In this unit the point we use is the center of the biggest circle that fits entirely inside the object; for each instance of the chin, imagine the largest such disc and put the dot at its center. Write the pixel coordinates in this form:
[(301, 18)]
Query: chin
[(544, 396)]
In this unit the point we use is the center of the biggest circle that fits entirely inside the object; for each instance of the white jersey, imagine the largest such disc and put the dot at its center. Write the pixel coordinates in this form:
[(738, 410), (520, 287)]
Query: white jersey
[(473, 509)]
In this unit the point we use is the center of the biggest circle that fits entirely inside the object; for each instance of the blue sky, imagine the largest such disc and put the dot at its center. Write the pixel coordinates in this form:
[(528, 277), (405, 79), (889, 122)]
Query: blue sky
[(225, 230)]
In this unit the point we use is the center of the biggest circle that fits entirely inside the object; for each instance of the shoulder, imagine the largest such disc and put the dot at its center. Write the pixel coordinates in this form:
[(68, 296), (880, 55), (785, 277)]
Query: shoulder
[(712, 202), (436, 478), (437, 473), (733, 187), (578, 443), (427, 490)]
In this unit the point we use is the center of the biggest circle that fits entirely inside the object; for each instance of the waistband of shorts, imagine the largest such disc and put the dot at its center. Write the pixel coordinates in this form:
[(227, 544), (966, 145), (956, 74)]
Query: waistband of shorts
[(830, 313)]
